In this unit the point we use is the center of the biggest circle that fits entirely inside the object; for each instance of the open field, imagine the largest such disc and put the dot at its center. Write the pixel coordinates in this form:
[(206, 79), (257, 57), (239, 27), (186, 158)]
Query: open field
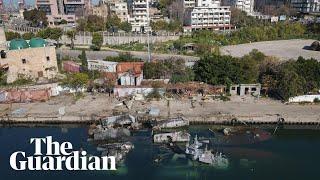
[(283, 49)]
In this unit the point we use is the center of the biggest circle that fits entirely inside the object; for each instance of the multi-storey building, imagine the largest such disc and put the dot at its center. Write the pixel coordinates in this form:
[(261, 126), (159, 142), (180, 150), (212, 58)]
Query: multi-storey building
[(101, 10), (139, 16), (209, 14), (120, 8), (117, 7), (244, 5), (306, 6), (189, 3), (58, 10)]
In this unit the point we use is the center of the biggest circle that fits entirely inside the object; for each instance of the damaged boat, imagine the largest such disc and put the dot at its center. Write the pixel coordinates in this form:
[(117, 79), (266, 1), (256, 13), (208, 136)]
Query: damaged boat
[(118, 150), (180, 136), (172, 123), (103, 133), (206, 156)]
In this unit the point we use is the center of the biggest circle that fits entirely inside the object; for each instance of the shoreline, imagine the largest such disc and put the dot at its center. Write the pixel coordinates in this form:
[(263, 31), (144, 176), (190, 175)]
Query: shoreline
[(92, 108), (194, 120)]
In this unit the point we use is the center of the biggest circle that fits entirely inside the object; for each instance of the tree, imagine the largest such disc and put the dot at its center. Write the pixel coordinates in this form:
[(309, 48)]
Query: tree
[(159, 25), (63, 21), (28, 35), (37, 17), (11, 35), (112, 22), (84, 62), (81, 24), (97, 41), (125, 26), (76, 81), (51, 33), (95, 23), (71, 35), (290, 83)]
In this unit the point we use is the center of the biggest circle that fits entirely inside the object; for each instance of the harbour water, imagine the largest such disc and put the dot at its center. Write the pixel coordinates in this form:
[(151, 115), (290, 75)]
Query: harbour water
[(289, 154)]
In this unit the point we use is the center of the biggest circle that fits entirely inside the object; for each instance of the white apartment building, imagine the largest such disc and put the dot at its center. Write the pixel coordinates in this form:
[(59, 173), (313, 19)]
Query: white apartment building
[(209, 14), (120, 8), (139, 18), (306, 6), (117, 7), (244, 5)]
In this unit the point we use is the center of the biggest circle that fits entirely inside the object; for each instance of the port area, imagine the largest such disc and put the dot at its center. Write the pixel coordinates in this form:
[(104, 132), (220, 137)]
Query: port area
[(91, 108)]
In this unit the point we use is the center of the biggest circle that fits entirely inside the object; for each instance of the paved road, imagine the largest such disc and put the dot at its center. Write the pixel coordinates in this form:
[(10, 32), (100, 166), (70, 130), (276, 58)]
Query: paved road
[(142, 55), (283, 49)]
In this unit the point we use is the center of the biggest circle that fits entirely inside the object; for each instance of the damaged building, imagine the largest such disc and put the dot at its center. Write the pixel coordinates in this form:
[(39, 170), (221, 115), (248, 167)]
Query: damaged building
[(245, 89), (195, 88)]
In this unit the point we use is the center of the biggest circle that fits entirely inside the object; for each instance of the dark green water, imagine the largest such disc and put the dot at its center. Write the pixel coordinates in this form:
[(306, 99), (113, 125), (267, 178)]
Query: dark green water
[(290, 154)]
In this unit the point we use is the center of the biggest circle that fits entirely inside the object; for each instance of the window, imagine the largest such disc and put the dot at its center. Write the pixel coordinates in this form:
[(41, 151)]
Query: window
[(253, 89), (24, 61), (233, 88), (48, 58)]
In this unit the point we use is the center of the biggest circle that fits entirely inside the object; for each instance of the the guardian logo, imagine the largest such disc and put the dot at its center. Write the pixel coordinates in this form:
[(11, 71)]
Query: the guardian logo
[(58, 157)]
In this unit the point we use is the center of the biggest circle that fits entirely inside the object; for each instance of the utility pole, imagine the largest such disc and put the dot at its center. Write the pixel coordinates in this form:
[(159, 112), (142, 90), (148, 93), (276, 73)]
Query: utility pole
[(148, 31)]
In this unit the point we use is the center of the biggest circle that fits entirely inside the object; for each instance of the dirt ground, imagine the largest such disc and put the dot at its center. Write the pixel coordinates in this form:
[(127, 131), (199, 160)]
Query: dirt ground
[(283, 49), (103, 105)]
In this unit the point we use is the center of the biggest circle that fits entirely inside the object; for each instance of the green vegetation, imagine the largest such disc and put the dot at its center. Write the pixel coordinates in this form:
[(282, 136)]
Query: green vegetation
[(36, 17), (97, 41), (175, 70), (71, 35), (22, 80), (83, 59), (173, 26), (11, 35), (76, 81), (281, 80), (28, 36), (51, 33), (123, 57), (134, 46), (94, 23)]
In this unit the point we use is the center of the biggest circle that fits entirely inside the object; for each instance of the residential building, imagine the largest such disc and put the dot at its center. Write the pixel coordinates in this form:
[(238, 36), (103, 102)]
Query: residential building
[(101, 10), (120, 8), (306, 6), (139, 16), (244, 5), (189, 3), (33, 59), (58, 10), (117, 7), (209, 14)]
